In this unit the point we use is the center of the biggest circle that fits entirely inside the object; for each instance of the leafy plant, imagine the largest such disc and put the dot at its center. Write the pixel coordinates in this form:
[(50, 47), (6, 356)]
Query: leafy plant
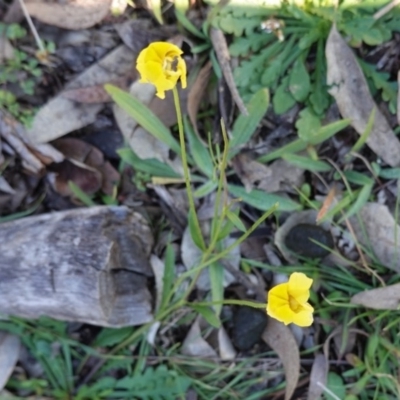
[(19, 73), (281, 47)]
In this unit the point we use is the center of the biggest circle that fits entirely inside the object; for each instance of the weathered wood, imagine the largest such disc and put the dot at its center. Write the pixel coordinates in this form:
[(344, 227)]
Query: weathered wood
[(89, 265)]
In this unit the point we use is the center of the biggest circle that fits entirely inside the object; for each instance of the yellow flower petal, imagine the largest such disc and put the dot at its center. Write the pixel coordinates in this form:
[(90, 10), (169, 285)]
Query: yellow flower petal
[(299, 287), (283, 314), (287, 302), (303, 318), (161, 64)]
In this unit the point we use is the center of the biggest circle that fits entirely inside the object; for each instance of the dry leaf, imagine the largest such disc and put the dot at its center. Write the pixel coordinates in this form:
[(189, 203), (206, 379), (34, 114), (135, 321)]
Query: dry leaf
[(225, 346), (386, 298), (220, 46), (350, 89), (34, 157), (61, 115), (196, 94), (85, 166), (9, 352), (194, 345), (279, 176), (69, 14), (398, 97), (6, 49), (318, 378), (281, 340), (97, 94), (382, 234)]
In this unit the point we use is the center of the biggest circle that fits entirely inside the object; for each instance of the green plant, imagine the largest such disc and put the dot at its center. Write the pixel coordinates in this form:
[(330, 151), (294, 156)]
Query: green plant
[(19, 73), (282, 46)]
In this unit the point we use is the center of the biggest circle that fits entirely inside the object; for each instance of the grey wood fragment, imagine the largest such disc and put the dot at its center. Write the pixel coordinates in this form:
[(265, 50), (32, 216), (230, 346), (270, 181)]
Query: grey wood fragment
[(89, 265)]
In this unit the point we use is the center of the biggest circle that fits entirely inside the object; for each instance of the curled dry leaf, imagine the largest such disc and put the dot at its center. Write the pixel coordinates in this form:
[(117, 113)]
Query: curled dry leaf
[(61, 115), (34, 157), (281, 340), (386, 298), (278, 176), (9, 352), (85, 166), (350, 89), (69, 14), (318, 378), (377, 230)]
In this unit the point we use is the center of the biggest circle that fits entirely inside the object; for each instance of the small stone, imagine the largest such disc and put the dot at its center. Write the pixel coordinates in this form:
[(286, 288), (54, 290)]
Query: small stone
[(248, 326), (300, 240)]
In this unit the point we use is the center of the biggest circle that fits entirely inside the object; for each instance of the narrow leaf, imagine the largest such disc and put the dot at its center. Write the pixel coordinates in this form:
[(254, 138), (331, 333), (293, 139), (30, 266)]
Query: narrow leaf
[(307, 163), (145, 117), (245, 126), (262, 200)]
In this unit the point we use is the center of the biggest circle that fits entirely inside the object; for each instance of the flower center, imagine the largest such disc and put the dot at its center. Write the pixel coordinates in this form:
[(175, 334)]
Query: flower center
[(170, 65), (294, 305)]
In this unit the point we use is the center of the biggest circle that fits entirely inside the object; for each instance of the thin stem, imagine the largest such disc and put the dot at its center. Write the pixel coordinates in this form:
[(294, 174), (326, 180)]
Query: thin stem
[(32, 27), (186, 173)]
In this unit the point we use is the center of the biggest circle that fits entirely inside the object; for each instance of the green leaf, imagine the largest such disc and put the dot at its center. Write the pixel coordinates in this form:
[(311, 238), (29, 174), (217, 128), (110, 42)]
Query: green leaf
[(361, 200), (245, 126), (328, 131), (299, 81), (151, 166), (358, 178), (307, 163), (207, 313), (145, 117), (194, 233), (205, 189), (293, 147), (367, 131), (308, 125), (262, 200), (236, 221), (169, 276), (199, 152), (389, 173), (80, 194), (216, 273), (110, 336), (283, 100), (187, 24)]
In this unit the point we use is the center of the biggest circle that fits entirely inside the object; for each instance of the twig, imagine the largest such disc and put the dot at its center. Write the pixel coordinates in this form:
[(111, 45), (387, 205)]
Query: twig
[(32, 27), (221, 49), (386, 9)]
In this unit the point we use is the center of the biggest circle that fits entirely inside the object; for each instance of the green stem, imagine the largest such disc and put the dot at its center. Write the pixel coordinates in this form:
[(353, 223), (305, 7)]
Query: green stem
[(186, 173)]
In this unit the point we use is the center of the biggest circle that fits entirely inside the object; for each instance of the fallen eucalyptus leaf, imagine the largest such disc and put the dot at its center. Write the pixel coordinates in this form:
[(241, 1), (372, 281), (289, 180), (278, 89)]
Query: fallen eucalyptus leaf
[(385, 298), (350, 89), (318, 378), (379, 233), (69, 14), (281, 340)]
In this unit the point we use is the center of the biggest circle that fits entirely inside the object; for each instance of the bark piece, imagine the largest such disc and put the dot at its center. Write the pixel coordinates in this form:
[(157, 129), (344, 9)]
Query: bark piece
[(89, 265)]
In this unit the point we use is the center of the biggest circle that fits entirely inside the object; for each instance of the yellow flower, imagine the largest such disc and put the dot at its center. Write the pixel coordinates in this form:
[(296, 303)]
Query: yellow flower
[(161, 64), (287, 302)]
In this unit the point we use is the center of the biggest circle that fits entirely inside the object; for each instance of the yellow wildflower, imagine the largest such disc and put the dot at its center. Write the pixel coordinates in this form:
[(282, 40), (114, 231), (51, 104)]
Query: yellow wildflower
[(287, 302), (161, 64)]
